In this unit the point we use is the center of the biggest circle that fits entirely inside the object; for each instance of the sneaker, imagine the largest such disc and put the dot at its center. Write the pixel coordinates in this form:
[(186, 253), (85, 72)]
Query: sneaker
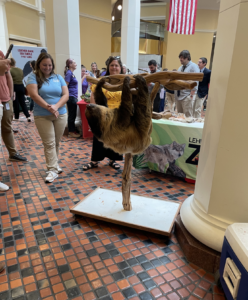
[(2, 266), (74, 134), (51, 176), (59, 170), (17, 157), (3, 187), (29, 119)]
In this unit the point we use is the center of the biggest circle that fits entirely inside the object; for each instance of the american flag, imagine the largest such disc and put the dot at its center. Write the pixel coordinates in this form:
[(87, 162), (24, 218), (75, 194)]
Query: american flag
[(182, 16)]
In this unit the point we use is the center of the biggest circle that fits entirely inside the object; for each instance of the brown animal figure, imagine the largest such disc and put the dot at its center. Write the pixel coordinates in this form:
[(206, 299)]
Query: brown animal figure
[(125, 129)]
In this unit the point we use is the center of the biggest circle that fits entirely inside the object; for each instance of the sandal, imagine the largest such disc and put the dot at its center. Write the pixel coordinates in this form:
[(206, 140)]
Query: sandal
[(114, 165), (90, 165)]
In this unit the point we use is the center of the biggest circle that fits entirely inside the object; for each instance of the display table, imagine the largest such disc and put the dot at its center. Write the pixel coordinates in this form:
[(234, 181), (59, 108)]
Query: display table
[(85, 126), (174, 149)]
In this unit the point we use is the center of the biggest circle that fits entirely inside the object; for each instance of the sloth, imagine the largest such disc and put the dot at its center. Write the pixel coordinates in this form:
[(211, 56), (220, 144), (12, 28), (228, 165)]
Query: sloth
[(125, 129)]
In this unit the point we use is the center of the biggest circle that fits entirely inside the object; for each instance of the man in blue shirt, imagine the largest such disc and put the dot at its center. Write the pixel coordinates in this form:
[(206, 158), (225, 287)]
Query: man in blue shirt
[(185, 98)]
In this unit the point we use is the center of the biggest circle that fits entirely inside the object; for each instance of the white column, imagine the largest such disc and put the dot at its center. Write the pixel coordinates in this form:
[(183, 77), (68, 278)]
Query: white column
[(221, 189), (130, 28), (42, 21), (4, 36), (63, 35)]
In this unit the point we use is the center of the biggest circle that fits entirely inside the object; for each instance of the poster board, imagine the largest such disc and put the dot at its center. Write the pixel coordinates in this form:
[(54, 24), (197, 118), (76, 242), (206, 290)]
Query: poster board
[(24, 55), (174, 149)]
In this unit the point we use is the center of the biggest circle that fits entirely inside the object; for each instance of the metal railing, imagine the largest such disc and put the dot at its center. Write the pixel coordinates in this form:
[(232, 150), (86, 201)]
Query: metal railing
[(148, 30)]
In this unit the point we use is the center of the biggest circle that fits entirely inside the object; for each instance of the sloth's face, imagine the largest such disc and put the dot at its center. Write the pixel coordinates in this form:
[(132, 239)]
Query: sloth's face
[(95, 114)]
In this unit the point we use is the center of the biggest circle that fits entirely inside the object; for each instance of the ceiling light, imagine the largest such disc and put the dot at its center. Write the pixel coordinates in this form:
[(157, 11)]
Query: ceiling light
[(119, 7), (113, 18)]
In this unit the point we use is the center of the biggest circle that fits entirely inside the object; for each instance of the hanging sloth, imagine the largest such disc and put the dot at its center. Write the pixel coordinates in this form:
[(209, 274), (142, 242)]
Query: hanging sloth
[(125, 129)]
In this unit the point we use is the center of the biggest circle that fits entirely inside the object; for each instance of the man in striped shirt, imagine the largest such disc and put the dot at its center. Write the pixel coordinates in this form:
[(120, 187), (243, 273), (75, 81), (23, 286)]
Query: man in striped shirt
[(185, 98)]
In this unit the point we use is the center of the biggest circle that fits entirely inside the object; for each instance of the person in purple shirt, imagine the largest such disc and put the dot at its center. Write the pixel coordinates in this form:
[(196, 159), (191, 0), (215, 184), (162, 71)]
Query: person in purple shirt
[(72, 84), (85, 84)]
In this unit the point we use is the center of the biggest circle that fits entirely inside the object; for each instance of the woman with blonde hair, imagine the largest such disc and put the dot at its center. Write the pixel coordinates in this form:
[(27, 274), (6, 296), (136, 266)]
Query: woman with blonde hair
[(72, 84), (94, 69), (50, 93)]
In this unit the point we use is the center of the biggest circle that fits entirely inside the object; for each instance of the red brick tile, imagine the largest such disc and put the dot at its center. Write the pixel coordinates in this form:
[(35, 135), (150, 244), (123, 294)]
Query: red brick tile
[(173, 296), (156, 292), (165, 288), (159, 280), (30, 288), (123, 284), (139, 288), (117, 296), (85, 288), (183, 292), (112, 288)]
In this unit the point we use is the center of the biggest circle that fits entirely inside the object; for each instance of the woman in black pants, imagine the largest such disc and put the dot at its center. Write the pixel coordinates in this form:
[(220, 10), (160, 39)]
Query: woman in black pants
[(19, 89), (72, 84)]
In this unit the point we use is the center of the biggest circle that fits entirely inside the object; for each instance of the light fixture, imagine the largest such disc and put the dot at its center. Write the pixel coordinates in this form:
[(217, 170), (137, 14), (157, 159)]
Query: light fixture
[(113, 18), (119, 7)]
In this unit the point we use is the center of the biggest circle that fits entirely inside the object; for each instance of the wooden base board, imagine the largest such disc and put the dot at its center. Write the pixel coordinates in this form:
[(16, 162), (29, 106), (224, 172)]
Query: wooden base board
[(148, 214)]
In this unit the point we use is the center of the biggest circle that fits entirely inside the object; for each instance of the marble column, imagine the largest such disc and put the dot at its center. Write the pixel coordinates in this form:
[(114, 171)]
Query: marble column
[(42, 21), (63, 34), (221, 189), (4, 36), (63, 37), (130, 28)]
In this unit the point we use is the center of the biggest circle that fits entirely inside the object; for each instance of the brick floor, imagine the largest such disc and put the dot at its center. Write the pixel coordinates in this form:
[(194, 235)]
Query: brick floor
[(52, 254)]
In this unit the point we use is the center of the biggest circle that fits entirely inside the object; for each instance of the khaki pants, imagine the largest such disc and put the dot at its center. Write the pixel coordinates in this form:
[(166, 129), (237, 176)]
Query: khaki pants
[(185, 106), (171, 102), (6, 128), (198, 106), (51, 130)]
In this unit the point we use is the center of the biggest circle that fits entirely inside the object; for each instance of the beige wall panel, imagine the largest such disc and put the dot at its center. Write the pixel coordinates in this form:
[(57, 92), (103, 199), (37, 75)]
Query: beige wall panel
[(22, 21), (199, 45), (30, 1), (148, 11), (97, 8), (206, 19), (95, 42), (50, 26)]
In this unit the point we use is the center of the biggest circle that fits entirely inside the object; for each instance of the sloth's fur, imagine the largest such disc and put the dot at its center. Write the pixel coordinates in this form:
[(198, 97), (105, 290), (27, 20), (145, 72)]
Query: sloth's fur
[(125, 129)]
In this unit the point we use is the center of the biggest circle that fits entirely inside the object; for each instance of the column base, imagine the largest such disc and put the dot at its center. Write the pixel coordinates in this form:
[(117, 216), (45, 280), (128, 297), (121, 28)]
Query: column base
[(206, 228), (196, 252)]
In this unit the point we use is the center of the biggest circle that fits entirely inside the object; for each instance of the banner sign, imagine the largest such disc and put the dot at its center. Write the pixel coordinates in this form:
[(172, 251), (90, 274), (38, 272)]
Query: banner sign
[(174, 149), (24, 55)]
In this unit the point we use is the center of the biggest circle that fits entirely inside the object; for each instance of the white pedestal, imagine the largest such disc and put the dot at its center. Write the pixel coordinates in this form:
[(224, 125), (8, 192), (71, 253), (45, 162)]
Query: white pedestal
[(148, 214)]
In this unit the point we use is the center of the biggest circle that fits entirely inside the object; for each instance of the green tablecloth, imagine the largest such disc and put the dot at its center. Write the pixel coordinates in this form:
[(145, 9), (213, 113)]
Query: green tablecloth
[(174, 149)]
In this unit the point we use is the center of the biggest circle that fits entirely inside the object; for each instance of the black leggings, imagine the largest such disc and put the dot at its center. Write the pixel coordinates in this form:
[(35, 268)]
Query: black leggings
[(20, 99), (99, 152), (72, 113)]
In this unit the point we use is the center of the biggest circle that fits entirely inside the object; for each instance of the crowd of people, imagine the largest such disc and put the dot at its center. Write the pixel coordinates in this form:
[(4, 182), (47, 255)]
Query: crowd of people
[(50, 93), (188, 102)]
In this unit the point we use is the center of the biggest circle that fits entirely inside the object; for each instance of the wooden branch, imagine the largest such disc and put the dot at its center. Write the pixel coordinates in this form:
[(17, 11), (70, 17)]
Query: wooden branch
[(126, 182), (156, 116), (114, 83), (180, 85)]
